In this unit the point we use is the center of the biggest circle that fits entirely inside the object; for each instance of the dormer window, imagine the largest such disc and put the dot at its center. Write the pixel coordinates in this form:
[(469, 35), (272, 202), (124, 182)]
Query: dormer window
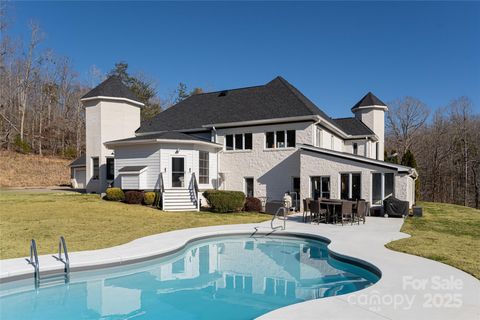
[(355, 148)]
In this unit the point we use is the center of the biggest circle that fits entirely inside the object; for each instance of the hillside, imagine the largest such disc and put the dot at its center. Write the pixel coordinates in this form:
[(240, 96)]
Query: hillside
[(29, 170)]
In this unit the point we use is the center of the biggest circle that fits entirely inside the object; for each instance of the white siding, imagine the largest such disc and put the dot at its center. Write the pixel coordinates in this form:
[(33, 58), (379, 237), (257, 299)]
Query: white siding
[(140, 155), (158, 158), (129, 181)]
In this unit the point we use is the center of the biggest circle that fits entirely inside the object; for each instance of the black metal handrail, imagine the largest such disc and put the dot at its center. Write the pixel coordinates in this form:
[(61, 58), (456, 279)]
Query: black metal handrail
[(162, 186)]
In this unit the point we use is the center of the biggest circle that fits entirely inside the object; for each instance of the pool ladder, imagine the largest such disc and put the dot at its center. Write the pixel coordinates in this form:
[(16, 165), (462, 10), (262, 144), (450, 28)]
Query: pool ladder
[(276, 216), (62, 247)]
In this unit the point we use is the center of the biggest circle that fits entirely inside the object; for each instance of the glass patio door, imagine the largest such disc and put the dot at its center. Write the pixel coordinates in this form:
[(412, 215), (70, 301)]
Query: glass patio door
[(178, 172)]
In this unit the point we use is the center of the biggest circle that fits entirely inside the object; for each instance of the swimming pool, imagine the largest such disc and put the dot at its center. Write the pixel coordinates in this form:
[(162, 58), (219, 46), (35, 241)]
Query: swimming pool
[(239, 277)]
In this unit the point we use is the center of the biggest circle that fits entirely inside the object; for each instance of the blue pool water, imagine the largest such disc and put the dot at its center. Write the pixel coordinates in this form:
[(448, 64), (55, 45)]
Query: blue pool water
[(221, 278)]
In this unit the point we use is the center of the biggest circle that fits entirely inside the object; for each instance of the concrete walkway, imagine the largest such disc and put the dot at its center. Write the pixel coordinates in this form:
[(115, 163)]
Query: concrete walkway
[(410, 287)]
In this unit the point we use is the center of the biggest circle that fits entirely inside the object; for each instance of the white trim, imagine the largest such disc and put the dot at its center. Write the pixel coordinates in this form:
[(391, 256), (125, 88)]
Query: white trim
[(260, 122), (114, 143), (132, 172), (184, 156), (375, 106), (113, 98), (245, 185), (393, 166)]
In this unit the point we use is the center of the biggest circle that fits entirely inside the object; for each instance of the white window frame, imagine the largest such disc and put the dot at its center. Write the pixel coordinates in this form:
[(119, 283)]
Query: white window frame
[(318, 136), (321, 191), (93, 168), (275, 139), (245, 185), (382, 186), (350, 184), (208, 167), (234, 145)]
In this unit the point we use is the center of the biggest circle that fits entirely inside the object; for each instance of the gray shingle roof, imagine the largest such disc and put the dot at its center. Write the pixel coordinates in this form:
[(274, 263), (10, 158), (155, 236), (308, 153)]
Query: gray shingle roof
[(276, 99), (369, 100), (353, 126), (112, 87), (171, 135), (79, 162), (132, 169)]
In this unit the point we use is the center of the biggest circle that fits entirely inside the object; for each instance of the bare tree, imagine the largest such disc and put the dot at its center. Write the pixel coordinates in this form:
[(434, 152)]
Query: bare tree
[(24, 77), (404, 119)]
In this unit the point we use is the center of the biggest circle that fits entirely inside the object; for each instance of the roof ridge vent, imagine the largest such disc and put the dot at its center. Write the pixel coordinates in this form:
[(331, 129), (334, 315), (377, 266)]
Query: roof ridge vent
[(223, 93)]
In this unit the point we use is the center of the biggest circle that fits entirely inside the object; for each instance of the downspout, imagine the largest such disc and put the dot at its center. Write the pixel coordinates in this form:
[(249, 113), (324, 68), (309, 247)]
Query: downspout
[(214, 137)]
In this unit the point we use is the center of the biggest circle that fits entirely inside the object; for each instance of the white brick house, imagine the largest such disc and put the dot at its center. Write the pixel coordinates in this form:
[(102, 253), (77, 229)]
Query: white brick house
[(263, 140)]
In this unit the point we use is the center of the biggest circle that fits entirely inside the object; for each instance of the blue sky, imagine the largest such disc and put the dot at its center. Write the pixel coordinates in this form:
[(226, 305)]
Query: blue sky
[(334, 52)]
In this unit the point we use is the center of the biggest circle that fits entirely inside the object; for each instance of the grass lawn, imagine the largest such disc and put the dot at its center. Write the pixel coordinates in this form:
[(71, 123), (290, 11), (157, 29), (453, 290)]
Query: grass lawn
[(447, 233), (87, 222)]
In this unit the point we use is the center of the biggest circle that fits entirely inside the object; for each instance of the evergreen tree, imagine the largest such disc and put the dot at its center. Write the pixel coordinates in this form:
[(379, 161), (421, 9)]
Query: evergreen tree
[(392, 158), (181, 92), (144, 90), (408, 159)]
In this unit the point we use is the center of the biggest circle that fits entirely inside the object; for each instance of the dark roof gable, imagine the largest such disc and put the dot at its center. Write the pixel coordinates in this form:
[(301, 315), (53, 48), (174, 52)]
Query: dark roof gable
[(276, 99), (111, 87), (79, 162), (353, 126), (369, 100)]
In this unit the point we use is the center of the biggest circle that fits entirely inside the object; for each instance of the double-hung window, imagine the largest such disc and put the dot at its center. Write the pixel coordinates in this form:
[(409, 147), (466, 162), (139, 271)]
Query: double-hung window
[(203, 165), (280, 139), (239, 141)]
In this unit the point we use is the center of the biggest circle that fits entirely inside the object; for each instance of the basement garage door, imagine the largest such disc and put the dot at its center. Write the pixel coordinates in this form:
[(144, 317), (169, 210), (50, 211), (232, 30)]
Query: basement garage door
[(80, 178)]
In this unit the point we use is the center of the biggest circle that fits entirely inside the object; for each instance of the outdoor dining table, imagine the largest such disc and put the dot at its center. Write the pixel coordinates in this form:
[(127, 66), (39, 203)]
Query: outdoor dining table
[(332, 205)]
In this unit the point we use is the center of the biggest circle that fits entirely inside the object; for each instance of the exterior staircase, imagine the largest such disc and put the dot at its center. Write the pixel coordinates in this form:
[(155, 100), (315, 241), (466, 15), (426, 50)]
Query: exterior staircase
[(180, 200)]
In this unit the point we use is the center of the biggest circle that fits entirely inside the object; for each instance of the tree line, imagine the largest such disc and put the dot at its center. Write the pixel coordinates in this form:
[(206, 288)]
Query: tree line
[(444, 147), (40, 91)]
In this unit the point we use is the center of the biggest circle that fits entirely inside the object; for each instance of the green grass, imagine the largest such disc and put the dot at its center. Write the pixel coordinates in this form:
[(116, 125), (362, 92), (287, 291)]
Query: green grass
[(87, 222), (447, 233)]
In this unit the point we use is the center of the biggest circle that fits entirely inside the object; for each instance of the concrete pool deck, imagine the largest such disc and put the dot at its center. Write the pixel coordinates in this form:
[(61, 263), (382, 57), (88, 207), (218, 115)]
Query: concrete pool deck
[(410, 287)]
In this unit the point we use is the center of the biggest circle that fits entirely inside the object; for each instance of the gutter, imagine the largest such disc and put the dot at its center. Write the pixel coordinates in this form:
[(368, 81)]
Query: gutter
[(111, 144), (114, 99)]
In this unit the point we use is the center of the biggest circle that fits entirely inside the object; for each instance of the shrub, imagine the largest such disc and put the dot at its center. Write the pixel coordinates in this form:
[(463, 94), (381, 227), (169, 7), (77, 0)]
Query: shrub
[(134, 197), (114, 194), (70, 152), (224, 201), (21, 145), (252, 204), (149, 198)]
